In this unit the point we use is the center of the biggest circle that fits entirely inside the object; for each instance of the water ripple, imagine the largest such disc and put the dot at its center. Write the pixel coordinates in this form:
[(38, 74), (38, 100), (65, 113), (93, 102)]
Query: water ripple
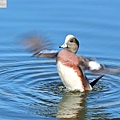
[(35, 84)]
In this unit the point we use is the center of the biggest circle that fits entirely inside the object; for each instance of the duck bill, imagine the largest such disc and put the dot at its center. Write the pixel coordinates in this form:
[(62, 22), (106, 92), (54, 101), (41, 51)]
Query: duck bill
[(63, 46)]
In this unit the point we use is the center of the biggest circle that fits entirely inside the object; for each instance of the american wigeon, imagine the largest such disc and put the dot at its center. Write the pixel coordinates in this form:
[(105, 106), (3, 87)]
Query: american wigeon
[(71, 68)]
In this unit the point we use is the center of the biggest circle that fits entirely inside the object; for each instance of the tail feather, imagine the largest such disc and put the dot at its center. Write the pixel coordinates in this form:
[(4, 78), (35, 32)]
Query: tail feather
[(96, 80)]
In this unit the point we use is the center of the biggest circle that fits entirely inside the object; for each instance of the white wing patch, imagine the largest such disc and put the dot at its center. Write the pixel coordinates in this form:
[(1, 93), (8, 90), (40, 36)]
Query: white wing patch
[(48, 51), (69, 78), (93, 65)]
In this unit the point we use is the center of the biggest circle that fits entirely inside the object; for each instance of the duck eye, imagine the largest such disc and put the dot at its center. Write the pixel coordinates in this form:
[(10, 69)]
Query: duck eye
[(71, 40)]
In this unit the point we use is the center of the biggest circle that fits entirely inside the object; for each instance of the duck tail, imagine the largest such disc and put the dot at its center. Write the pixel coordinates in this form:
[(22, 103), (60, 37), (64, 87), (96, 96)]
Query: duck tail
[(96, 80)]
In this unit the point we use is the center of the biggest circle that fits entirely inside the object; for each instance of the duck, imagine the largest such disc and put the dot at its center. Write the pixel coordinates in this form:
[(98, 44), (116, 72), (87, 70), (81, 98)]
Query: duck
[(71, 67)]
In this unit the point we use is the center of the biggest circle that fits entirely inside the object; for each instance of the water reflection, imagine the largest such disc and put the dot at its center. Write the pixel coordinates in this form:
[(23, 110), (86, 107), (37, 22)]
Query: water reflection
[(72, 106)]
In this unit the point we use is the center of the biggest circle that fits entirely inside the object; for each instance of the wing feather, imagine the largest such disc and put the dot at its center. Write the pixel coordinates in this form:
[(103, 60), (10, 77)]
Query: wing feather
[(40, 47), (95, 67)]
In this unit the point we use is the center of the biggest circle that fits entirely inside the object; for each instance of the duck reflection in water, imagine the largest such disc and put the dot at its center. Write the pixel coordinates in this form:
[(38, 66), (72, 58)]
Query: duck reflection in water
[(72, 106)]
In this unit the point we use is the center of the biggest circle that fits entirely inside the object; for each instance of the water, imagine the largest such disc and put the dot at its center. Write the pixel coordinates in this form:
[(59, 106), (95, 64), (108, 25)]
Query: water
[(30, 87)]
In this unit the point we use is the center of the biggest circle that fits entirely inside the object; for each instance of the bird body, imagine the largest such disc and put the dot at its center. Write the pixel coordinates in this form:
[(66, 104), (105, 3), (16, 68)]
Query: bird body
[(70, 73)]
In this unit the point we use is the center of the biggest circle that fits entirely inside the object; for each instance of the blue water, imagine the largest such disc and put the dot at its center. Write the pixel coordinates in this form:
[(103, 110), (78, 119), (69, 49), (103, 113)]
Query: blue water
[(30, 87)]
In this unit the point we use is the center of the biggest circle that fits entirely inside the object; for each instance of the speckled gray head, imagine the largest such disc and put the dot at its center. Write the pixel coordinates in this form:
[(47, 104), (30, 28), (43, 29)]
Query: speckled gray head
[(71, 43)]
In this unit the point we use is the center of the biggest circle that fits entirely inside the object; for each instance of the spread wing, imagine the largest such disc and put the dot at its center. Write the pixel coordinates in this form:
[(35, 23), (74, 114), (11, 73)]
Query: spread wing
[(40, 47), (47, 53), (96, 67)]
